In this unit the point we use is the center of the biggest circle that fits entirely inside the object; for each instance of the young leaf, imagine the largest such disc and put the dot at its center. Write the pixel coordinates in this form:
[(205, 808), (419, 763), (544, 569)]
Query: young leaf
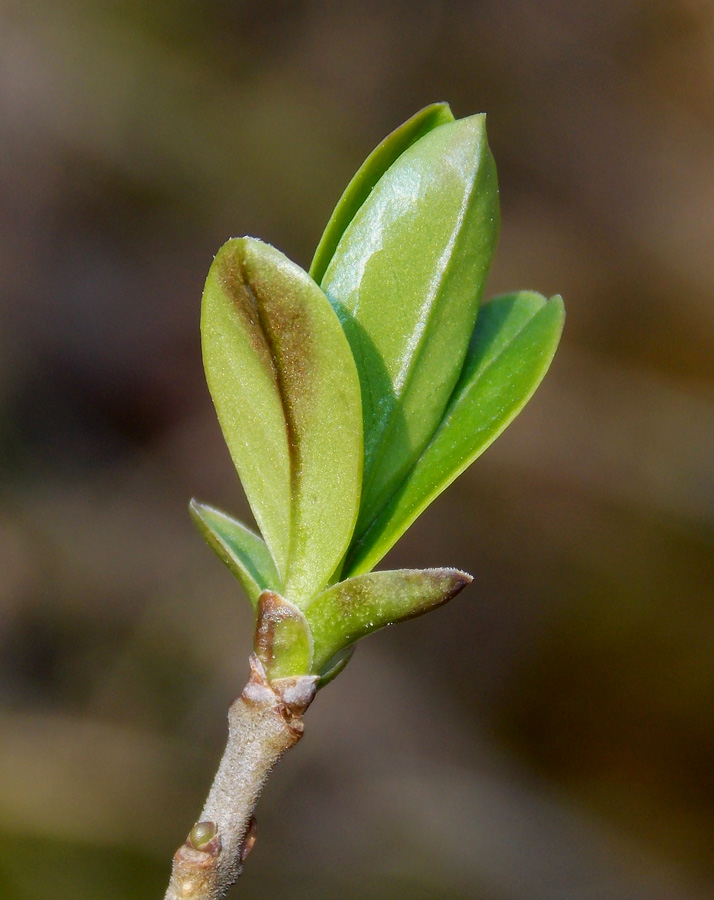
[(510, 352), (351, 609), (286, 391), (334, 665), (372, 169), (245, 554), (406, 281), (282, 638)]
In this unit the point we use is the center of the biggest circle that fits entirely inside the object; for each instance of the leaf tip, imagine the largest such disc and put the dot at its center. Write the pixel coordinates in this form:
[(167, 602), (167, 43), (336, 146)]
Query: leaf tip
[(557, 301), (197, 511), (455, 580)]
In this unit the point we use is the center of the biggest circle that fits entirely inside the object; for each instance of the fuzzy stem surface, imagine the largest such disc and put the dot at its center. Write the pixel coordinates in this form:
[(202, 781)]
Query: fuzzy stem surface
[(263, 723)]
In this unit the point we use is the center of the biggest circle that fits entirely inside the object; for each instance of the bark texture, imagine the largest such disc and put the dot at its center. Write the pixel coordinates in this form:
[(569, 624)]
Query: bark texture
[(263, 723)]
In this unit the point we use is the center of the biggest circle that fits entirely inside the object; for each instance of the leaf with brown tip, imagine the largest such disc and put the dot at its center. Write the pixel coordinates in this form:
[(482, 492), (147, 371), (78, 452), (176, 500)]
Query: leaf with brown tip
[(283, 641), (347, 611)]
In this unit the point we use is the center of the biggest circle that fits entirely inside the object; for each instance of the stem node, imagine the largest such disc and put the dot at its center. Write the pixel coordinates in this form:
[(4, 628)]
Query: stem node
[(263, 723)]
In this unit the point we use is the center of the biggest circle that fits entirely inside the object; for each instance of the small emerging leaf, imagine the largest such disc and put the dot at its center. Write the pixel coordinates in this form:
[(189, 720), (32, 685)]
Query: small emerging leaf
[(371, 170), (286, 391), (282, 638), (512, 347), (243, 551), (332, 668), (406, 280), (351, 609)]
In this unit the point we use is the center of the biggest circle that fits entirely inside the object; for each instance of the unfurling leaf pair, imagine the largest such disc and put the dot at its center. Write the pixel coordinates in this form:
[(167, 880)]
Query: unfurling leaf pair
[(352, 396)]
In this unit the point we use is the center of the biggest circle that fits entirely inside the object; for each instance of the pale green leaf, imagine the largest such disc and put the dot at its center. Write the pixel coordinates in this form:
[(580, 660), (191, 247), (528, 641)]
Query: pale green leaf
[(406, 280), (354, 608), (283, 641), (286, 391), (243, 551), (510, 352), (369, 173)]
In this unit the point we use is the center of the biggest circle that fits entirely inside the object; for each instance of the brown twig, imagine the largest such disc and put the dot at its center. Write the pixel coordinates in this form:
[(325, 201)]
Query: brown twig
[(263, 723)]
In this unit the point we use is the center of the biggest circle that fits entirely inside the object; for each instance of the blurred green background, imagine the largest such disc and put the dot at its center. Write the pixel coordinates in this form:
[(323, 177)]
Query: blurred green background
[(547, 736)]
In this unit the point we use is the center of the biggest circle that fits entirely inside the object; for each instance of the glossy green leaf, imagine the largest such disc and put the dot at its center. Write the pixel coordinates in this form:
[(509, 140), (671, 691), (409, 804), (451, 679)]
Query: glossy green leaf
[(286, 391), (243, 551), (406, 280), (283, 641), (376, 164), (510, 352), (351, 609)]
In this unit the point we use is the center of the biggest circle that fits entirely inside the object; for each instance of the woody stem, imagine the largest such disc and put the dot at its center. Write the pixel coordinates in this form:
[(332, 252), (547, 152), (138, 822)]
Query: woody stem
[(263, 723)]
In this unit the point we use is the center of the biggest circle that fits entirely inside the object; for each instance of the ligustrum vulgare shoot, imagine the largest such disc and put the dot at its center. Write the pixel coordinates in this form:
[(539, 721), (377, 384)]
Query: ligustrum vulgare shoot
[(350, 397)]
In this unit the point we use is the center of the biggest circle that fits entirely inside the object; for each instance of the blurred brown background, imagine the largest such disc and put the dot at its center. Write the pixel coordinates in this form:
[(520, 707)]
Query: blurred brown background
[(550, 735)]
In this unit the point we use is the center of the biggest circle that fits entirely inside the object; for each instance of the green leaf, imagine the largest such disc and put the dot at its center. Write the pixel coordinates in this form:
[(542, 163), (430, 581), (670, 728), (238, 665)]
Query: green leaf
[(283, 641), (351, 609), (406, 280), (334, 665), (372, 169), (286, 391), (243, 551), (511, 349)]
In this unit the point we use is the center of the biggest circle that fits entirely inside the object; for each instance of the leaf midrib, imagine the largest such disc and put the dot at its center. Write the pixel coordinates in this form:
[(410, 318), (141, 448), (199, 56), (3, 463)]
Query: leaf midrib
[(279, 379)]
